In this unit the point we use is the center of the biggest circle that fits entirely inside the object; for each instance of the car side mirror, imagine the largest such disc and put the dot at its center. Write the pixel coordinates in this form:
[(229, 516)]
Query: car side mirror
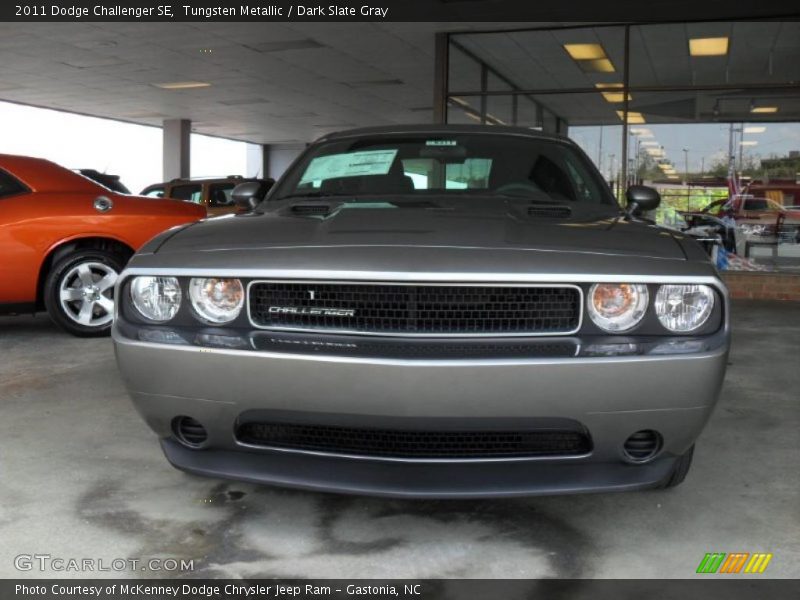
[(247, 195), (641, 198)]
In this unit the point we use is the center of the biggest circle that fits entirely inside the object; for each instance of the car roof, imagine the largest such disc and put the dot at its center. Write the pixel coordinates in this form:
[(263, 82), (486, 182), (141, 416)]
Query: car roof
[(42, 175), (190, 180), (428, 129)]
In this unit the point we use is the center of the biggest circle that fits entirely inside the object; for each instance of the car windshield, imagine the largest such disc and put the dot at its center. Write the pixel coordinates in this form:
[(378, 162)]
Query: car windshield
[(458, 165)]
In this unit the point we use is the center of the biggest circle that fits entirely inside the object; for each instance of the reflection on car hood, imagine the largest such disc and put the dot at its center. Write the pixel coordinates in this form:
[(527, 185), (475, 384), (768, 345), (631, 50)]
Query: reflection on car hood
[(426, 227)]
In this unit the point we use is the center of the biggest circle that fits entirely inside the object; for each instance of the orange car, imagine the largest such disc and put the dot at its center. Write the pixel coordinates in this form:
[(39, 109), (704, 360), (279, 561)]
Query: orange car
[(64, 239)]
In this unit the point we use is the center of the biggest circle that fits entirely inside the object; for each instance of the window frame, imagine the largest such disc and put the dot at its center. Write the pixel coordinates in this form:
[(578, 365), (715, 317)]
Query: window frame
[(22, 187)]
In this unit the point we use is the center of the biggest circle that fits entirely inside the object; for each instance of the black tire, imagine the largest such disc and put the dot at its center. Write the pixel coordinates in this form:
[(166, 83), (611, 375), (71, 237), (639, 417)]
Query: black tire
[(680, 470), (63, 277)]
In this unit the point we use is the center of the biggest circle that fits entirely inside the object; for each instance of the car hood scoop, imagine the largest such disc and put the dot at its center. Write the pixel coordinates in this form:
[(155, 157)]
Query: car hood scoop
[(546, 211), (543, 227)]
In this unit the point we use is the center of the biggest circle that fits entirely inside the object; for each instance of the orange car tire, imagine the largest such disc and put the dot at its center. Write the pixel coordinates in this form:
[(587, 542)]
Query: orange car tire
[(78, 291)]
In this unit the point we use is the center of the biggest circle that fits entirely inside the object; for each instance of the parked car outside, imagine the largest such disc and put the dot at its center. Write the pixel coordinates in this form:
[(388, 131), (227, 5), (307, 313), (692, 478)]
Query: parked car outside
[(428, 311), (754, 218), (64, 239), (214, 194)]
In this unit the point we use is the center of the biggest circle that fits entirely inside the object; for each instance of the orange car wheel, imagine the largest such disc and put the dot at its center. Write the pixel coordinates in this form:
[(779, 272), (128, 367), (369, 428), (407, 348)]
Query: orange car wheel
[(79, 291)]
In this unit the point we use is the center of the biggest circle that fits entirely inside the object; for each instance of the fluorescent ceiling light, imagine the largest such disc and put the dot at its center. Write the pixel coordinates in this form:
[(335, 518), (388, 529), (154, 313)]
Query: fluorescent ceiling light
[(459, 101), (601, 65), (182, 85), (755, 129), (748, 143), (585, 51), (642, 132), (613, 97), (635, 118), (764, 109), (716, 46)]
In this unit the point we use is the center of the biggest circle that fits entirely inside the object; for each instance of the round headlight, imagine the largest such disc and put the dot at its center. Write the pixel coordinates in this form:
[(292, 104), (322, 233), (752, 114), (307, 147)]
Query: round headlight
[(157, 299), (216, 300), (684, 308), (617, 307)]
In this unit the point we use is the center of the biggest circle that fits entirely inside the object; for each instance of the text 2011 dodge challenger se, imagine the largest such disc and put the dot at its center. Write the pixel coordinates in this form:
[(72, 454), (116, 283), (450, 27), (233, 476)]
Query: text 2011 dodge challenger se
[(431, 311)]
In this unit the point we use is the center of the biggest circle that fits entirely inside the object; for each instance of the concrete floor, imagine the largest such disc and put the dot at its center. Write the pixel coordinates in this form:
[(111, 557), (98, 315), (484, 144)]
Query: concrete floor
[(82, 476)]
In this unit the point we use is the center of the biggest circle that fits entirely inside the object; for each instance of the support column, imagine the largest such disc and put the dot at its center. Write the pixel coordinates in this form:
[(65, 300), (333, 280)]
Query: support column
[(257, 160), (278, 157), (176, 148)]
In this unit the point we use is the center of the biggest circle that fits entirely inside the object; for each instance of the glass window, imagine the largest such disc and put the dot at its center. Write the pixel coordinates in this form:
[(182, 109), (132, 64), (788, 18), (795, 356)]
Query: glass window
[(721, 53), (483, 165), (191, 192), (472, 174), (10, 186), (154, 192), (464, 72), (219, 194)]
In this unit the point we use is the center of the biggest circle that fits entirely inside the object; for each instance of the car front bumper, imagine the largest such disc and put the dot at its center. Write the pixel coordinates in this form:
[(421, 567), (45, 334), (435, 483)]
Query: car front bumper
[(612, 396)]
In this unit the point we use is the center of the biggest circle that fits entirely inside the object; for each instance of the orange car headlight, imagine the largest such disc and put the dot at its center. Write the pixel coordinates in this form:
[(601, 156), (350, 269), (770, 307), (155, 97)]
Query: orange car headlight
[(216, 300), (617, 307)]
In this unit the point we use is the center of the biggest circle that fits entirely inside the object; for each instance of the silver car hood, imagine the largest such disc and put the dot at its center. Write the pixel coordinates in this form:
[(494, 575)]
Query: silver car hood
[(418, 227), (417, 243)]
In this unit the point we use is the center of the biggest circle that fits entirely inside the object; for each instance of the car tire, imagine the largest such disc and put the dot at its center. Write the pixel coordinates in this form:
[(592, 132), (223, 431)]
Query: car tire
[(680, 470), (79, 291)]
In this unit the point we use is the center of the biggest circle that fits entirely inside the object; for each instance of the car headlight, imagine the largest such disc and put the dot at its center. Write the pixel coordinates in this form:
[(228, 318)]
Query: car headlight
[(683, 308), (617, 307), (216, 300), (157, 299)]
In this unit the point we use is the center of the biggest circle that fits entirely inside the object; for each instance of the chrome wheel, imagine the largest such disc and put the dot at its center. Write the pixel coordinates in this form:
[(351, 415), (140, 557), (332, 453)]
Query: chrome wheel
[(86, 294)]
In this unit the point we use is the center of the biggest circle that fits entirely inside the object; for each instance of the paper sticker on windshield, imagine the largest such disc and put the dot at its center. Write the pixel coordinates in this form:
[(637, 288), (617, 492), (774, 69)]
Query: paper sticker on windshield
[(441, 143), (352, 164)]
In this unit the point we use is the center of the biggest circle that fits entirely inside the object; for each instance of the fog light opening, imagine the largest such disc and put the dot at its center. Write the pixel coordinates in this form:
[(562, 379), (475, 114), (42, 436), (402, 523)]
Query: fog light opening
[(643, 446), (189, 431)]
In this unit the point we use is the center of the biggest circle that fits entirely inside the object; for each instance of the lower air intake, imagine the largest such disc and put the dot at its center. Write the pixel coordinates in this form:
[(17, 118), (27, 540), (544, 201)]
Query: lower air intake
[(398, 443), (643, 445), (189, 431)]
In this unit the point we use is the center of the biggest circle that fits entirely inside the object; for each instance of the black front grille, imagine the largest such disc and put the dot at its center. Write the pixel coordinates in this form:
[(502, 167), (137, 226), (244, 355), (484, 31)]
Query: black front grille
[(398, 443), (415, 309), (371, 347)]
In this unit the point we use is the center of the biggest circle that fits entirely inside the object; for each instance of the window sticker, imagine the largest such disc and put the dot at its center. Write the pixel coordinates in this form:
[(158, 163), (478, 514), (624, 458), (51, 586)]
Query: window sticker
[(351, 164), (441, 143)]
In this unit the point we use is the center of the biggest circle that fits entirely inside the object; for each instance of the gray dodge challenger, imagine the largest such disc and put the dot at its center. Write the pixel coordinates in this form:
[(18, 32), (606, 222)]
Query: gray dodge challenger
[(428, 311)]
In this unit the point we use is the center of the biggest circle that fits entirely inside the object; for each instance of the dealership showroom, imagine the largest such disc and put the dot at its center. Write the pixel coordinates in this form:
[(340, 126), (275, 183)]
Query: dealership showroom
[(706, 113)]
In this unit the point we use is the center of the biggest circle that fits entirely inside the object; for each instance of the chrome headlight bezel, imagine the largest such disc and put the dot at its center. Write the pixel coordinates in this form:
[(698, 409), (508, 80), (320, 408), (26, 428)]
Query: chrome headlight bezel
[(635, 297), (216, 300), (165, 306), (667, 299)]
